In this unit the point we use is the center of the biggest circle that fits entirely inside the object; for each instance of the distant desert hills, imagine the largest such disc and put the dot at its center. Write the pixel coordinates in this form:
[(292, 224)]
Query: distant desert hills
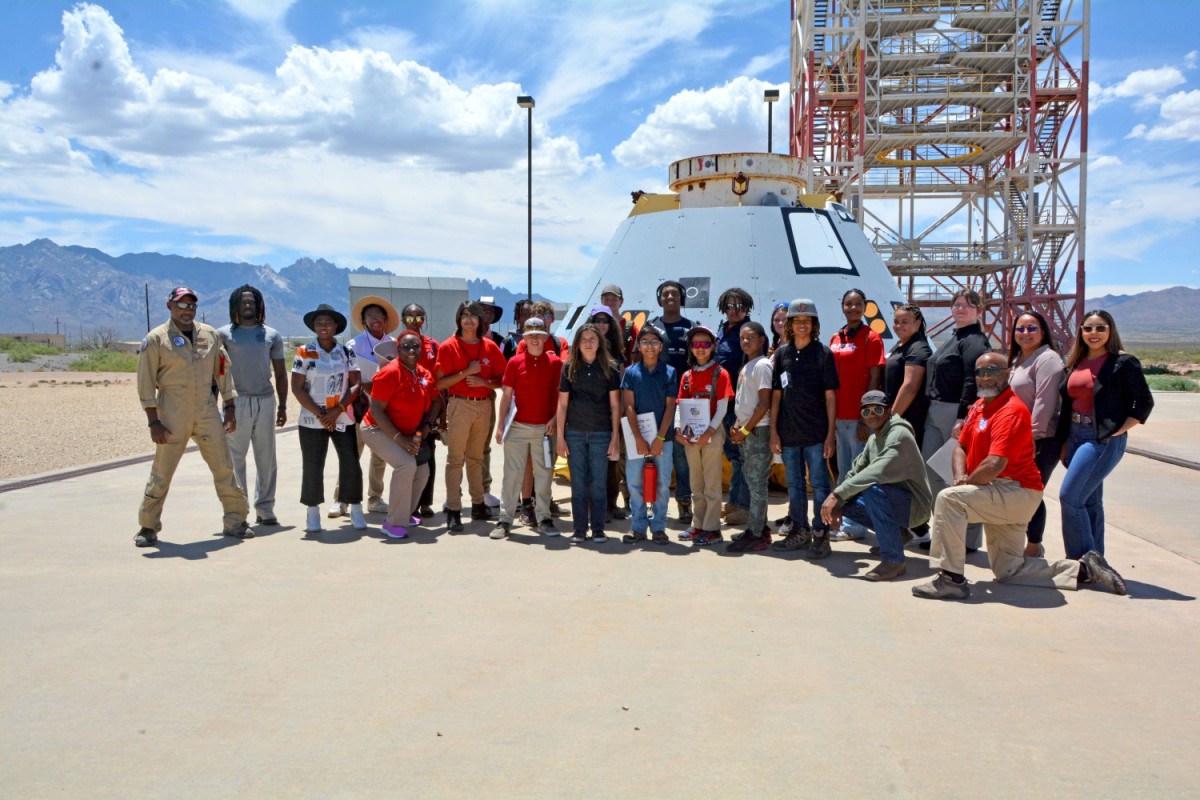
[(76, 290), (85, 289)]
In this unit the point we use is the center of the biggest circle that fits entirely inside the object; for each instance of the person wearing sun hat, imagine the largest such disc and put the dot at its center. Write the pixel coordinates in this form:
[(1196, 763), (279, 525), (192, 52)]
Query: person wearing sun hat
[(378, 320), (179, 364), (324, 379)]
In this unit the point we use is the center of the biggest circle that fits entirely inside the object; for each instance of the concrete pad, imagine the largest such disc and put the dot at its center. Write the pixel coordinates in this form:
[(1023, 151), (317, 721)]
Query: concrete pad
[(347, 665)]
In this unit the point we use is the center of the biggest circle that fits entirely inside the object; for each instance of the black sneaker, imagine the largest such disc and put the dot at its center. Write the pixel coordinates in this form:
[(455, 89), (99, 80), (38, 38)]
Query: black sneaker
[(819, 548), (546, 527), (599, 538), (619, 513), (479, 511), (706, 538), (269, 522), (146, 537), (425, 512), (454, 521), (241, 531)]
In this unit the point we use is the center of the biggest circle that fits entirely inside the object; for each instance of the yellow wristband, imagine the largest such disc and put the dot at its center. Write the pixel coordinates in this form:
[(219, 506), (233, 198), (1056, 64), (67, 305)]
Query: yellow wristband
[(745, 431)]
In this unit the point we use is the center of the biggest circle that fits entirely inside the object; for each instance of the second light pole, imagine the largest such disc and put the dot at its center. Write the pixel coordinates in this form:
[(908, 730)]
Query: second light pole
[(526, 101), (770, 97)]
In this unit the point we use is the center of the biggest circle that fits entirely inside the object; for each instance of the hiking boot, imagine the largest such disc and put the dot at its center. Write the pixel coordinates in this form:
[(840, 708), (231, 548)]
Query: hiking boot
[(886, 571), (525, 513), (706, 538), (798, 539), (546, 527), (312, 522), (756, 544), (1102, 575), (819, 547), (943, 588), (479, 511), (685, 511), (240, 531), (146, 537), (356, 517), (501, 530), (338, 510), (377, 507), (737, 516), (454, 521)]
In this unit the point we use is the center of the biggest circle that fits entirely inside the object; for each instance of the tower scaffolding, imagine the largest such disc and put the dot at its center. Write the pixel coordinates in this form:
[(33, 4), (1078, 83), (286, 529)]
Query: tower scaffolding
[(956, 132)]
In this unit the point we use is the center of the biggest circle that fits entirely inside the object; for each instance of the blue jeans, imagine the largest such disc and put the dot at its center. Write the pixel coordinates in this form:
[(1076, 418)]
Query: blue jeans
[(885, 508), (588, 462), (637, 502), (1082, 493), (739, 492), (848, 448), (795, 461), (683, 474)]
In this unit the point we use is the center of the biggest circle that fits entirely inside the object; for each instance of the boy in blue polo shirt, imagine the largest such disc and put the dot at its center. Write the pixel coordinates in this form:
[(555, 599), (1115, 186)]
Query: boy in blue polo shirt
[(649, 387)]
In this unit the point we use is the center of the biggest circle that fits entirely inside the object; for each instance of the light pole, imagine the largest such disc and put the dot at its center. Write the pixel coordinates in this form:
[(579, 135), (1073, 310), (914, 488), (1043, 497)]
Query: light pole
[(525, 101), (770, 97)]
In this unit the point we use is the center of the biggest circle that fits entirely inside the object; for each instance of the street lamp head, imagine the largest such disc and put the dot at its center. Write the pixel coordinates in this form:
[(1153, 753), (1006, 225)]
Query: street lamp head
[(770, 95), (525, 101)]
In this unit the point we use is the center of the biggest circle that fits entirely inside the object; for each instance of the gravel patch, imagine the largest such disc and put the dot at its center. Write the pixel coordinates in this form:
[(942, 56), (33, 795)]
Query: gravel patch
[(55, 420)]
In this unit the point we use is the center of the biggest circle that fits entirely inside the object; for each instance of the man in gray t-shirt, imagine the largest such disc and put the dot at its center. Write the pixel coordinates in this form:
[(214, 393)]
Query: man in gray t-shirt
[(255, 352)]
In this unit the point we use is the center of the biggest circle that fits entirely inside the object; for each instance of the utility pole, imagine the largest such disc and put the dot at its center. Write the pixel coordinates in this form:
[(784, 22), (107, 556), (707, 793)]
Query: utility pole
[(147, 308)]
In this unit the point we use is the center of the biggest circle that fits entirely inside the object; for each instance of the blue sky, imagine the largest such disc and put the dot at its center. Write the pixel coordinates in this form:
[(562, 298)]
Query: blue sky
[(387, 134)]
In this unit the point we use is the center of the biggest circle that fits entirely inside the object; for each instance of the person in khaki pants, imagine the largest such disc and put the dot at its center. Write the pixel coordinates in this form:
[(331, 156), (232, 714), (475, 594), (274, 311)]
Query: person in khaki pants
[(181, 369), (996, 481)]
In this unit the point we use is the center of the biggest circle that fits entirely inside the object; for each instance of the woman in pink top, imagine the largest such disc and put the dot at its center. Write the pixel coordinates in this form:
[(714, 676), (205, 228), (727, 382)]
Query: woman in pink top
[(1037, 375)]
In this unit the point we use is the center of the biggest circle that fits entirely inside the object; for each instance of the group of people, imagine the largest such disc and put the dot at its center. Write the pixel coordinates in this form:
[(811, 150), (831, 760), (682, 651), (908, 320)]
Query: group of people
[(997, 423)]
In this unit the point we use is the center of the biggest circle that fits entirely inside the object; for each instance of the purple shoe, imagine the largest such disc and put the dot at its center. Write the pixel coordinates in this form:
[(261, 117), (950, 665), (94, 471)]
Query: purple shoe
[(414, 520), (394, 531)]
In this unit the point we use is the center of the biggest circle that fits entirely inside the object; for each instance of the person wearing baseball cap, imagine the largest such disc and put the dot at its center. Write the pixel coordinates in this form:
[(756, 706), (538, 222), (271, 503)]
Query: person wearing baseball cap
[(674, 328), (179, 364), (887, 487)]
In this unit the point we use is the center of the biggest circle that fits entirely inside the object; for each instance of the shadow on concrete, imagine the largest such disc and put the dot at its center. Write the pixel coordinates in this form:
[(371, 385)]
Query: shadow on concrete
[(337, 536), (1148, 591), (263, 531), (559, 542), (192, 551), (1031, 597)]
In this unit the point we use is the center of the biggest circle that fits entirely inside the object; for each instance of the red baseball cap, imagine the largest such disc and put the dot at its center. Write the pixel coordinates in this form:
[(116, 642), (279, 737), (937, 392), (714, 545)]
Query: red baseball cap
[(181, 291)]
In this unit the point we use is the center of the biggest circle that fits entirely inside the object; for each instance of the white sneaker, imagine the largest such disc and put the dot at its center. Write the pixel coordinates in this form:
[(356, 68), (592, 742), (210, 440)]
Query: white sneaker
[(377, 507), (313, 523), (337, 510), (356, 518), (491, 501)]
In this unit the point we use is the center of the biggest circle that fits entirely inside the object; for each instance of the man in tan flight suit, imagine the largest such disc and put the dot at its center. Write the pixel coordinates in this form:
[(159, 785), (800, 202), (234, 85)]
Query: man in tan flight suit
[(179, 364)]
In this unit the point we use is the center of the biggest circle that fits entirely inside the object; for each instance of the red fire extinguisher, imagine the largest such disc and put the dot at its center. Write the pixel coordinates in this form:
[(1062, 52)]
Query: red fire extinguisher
[(650, 481)]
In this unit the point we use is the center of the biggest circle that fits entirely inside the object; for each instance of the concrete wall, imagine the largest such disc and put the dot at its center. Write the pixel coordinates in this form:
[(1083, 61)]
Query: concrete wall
[(439, 296)]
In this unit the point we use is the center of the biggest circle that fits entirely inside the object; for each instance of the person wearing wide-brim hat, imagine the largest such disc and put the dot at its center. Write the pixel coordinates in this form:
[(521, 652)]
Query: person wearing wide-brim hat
[(491, 308), (325, 378), (377, 319)]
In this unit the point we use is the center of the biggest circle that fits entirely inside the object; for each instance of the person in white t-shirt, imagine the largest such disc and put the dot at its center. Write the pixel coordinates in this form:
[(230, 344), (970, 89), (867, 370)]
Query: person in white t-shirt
[(752, 431)]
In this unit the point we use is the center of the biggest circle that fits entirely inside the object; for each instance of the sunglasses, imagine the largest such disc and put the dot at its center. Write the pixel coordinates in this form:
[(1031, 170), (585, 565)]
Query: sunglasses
[(984, 372), (873, 411), (411, 346), (1084, 328), (414, 319), (1027, 329), (702, 345), (185, 305), (735, 307)]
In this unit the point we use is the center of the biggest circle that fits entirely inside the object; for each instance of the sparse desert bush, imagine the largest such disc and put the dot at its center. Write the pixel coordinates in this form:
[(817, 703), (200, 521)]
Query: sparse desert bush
[(105, 361), (1172, 383)]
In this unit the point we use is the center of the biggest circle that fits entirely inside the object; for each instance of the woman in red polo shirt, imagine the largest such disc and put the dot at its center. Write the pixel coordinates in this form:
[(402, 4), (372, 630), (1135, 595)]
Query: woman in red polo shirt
[(414, 320), (404, 404), (469, 367)]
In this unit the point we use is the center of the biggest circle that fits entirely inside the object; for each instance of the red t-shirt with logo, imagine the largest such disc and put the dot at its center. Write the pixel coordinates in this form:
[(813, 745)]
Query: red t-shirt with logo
[(534, 381), (455, 355), (408, 395), (854, 356), (1004, 428), (698, 384), (429, 351)]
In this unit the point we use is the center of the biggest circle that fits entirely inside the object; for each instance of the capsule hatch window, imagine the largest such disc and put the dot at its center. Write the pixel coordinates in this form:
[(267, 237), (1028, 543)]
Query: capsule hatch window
[(815, 244)]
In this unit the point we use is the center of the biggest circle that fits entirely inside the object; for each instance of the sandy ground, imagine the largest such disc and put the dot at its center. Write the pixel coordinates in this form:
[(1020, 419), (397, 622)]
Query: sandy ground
[(56, 420)]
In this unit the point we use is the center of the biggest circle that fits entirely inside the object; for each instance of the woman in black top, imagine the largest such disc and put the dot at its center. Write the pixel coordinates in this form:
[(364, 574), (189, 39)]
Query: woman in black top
[(904, 371), (587, 419), (1104, 396)]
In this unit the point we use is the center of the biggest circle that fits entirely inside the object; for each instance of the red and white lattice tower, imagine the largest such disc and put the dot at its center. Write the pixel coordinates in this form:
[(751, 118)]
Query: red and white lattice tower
[(956, 132)]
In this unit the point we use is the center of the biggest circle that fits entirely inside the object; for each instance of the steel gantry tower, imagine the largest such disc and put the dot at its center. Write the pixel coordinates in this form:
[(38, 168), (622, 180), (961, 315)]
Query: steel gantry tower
[(956, 132)]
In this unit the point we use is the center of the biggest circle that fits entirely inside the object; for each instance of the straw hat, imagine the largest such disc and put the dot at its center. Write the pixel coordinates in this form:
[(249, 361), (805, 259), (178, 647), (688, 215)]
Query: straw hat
[(393, 318)]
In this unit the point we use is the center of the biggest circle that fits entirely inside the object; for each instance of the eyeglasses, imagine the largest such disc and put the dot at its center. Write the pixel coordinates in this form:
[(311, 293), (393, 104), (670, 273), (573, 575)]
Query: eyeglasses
[(1084, 328), (985, 372), (1027, 329), (411, 346), (873, 411), (414, 319), (649, 343), (962, 305), (703, 344), (185, 305)]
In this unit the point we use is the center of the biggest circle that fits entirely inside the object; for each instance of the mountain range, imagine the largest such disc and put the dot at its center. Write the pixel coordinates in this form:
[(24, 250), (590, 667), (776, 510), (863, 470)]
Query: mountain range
[(46, 287)]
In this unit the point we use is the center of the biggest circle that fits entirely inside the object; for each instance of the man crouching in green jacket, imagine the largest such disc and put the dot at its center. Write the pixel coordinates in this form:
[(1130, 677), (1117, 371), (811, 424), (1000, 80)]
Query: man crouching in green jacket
[(886, 489)]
